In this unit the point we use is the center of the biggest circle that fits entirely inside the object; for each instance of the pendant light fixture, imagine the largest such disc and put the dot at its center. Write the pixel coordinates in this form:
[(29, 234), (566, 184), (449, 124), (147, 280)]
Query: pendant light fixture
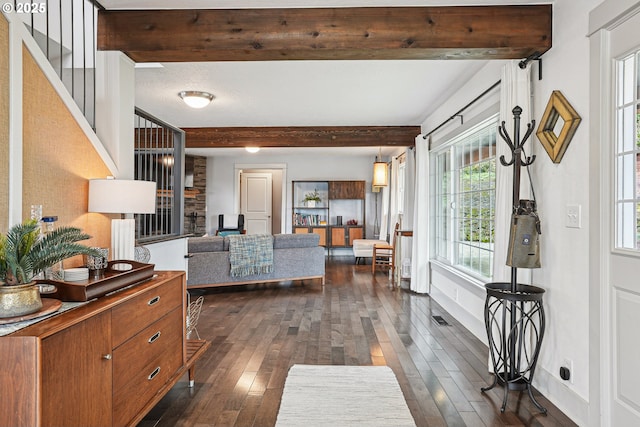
[(380, 171)]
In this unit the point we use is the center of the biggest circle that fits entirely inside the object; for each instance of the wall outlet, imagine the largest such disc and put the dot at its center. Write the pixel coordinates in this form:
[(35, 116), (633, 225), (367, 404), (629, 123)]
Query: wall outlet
[(566, 370), (573, 216)]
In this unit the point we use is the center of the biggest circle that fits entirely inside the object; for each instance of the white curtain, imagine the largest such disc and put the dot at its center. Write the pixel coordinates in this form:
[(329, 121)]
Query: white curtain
[(384, 215), (393, 202), (515, 90), (406, 244), (420, 269), (409, 188)]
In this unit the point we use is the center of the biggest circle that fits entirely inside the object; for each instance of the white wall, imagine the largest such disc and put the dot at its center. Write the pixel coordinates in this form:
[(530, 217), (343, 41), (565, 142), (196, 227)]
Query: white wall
[(565, 252), (221, 170), (564, 272)]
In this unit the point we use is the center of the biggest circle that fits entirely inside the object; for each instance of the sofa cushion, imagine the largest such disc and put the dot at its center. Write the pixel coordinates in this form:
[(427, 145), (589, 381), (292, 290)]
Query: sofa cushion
[(286, 241), (206, 244), (280, 241)]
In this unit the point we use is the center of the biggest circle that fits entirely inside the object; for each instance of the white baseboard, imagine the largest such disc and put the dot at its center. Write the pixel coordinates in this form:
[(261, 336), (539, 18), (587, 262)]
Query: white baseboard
[(472, 323), (568, 401)]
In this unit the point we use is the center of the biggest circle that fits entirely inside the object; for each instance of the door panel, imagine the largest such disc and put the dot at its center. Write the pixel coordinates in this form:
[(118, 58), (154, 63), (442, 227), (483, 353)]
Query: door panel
[(322, 232), (256, 202), (627, 308), (338, 237), (83, 375), (355, 233), (623, 285)]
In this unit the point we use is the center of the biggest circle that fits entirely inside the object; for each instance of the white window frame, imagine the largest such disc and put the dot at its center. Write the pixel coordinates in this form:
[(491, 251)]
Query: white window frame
[(627, 153), (447, 203)]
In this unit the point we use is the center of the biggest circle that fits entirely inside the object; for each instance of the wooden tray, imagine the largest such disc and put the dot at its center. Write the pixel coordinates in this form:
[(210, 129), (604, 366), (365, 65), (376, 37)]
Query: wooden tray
[(113, 279), (49, 306)]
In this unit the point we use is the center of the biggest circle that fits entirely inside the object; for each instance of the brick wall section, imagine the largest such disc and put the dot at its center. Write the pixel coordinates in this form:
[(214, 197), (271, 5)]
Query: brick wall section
[(195, 209)]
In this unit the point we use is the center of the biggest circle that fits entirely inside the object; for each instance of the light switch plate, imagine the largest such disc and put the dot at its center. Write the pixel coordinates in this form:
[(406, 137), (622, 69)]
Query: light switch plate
[(573, 216)]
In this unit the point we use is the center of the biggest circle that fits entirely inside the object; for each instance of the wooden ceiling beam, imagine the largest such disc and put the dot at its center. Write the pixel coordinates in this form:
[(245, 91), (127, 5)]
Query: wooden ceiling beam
[(450, 32), (322, 136)]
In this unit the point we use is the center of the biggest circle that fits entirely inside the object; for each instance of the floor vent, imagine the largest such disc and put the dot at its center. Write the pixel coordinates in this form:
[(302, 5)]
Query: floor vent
[(440, 321)]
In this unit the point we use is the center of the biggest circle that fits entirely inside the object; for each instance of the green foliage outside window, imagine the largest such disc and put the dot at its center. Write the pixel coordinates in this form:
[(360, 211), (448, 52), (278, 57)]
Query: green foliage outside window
[(477, 202), (638, 128)]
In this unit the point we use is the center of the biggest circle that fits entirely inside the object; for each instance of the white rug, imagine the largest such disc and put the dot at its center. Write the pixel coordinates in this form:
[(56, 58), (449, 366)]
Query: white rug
[(328, 395)]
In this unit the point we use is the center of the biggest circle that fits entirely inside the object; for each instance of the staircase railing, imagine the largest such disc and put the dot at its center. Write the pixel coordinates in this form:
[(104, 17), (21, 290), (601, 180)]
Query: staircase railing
[(66, 30)]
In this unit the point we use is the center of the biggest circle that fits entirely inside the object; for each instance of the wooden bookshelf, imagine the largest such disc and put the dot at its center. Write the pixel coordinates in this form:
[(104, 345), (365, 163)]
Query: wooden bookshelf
[(340, 203)]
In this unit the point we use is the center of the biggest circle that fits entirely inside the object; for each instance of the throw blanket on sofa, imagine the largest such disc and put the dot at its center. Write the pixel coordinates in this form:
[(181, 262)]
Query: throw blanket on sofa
[(250, 254)]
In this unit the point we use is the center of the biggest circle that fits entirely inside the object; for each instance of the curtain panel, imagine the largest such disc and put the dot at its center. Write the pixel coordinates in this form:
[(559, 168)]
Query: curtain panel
[(420, 268), (515, 90), (408, 209), (384, 221)]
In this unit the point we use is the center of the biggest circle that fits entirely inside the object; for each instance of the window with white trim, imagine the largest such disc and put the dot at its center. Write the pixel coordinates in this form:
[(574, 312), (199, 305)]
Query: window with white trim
[(464, 174), (627, 154)]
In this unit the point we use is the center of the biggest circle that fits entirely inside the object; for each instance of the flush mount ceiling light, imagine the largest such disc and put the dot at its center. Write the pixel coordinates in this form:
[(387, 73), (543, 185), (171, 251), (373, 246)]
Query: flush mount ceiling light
[(252, 149), (195, 98)]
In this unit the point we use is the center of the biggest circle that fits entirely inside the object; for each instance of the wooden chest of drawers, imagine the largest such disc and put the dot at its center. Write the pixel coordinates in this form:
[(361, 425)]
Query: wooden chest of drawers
[(105, 363)]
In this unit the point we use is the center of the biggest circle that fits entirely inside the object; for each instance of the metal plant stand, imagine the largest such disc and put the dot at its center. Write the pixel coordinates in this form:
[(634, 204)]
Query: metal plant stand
[(513, 312)]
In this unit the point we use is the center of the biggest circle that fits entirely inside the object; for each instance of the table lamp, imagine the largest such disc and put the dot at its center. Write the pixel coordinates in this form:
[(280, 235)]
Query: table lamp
[(122, 196)]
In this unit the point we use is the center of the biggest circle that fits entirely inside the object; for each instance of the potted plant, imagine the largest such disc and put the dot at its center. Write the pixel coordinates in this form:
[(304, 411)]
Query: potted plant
[(312, 198), (24, 253)]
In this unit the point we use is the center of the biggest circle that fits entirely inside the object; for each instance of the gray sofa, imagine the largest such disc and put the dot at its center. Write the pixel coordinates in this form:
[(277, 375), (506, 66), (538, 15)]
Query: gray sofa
[(295, 257)]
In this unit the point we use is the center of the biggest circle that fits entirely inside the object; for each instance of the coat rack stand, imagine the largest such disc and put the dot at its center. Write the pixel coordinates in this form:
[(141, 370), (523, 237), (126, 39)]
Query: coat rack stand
[(513, 312)]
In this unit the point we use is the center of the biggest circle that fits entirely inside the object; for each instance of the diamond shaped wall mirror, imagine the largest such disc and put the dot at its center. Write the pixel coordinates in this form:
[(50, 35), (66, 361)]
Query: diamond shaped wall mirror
[(557, 126)]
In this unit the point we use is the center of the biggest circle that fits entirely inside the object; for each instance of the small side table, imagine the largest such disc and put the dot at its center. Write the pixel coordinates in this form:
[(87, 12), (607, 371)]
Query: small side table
[(398, 252)]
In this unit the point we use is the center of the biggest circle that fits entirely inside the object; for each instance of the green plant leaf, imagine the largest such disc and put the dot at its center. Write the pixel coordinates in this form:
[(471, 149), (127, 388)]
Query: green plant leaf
[(25, 253)]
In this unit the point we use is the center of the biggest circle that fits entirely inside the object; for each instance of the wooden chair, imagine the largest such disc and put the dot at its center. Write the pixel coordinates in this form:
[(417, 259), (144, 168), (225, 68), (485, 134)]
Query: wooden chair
[(384, 255)]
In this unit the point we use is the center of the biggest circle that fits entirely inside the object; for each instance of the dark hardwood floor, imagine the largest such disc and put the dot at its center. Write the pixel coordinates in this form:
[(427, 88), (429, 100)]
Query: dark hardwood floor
[(259, 332)]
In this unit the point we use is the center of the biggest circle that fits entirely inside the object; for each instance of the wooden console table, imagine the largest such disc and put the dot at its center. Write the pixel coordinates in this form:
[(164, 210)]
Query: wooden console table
[(104, 363)]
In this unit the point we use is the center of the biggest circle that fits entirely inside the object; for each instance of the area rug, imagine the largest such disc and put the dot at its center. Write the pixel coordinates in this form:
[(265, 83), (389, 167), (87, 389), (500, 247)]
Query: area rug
[(321, 395)]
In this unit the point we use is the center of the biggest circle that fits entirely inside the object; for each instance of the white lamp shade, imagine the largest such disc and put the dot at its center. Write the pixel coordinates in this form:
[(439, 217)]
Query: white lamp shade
[(380, 174), (122, 196)]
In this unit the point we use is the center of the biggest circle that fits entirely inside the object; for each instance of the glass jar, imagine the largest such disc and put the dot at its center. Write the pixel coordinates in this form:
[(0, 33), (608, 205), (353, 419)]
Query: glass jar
[(56, 271)]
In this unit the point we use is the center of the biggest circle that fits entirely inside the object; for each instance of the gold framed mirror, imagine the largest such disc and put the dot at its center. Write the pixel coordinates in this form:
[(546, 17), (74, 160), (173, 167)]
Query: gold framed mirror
[(557, 126)]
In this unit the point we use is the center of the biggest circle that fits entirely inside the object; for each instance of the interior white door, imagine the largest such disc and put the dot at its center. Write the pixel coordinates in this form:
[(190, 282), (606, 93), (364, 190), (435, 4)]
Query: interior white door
[(624, 259), (256, 201)]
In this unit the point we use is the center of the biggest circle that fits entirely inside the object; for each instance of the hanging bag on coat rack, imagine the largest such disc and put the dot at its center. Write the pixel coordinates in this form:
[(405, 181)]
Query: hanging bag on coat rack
[(524, 234)]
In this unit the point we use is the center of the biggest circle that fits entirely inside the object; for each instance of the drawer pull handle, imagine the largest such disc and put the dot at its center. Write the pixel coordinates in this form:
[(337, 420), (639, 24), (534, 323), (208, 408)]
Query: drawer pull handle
[(153, 300), (154, 337), (106, 356), (153, 374)]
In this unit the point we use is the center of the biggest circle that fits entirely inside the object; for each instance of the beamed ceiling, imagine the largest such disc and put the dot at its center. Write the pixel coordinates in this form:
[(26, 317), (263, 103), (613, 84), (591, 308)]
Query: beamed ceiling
[(305, 35)]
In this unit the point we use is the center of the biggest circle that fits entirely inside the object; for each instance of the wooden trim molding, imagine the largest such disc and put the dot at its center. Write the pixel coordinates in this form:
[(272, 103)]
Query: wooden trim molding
[(446, 32), (341, 136), (4, 125)]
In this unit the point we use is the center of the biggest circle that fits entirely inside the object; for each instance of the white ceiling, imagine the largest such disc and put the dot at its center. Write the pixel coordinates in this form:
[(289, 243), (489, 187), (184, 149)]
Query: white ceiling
[(300, 93)]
